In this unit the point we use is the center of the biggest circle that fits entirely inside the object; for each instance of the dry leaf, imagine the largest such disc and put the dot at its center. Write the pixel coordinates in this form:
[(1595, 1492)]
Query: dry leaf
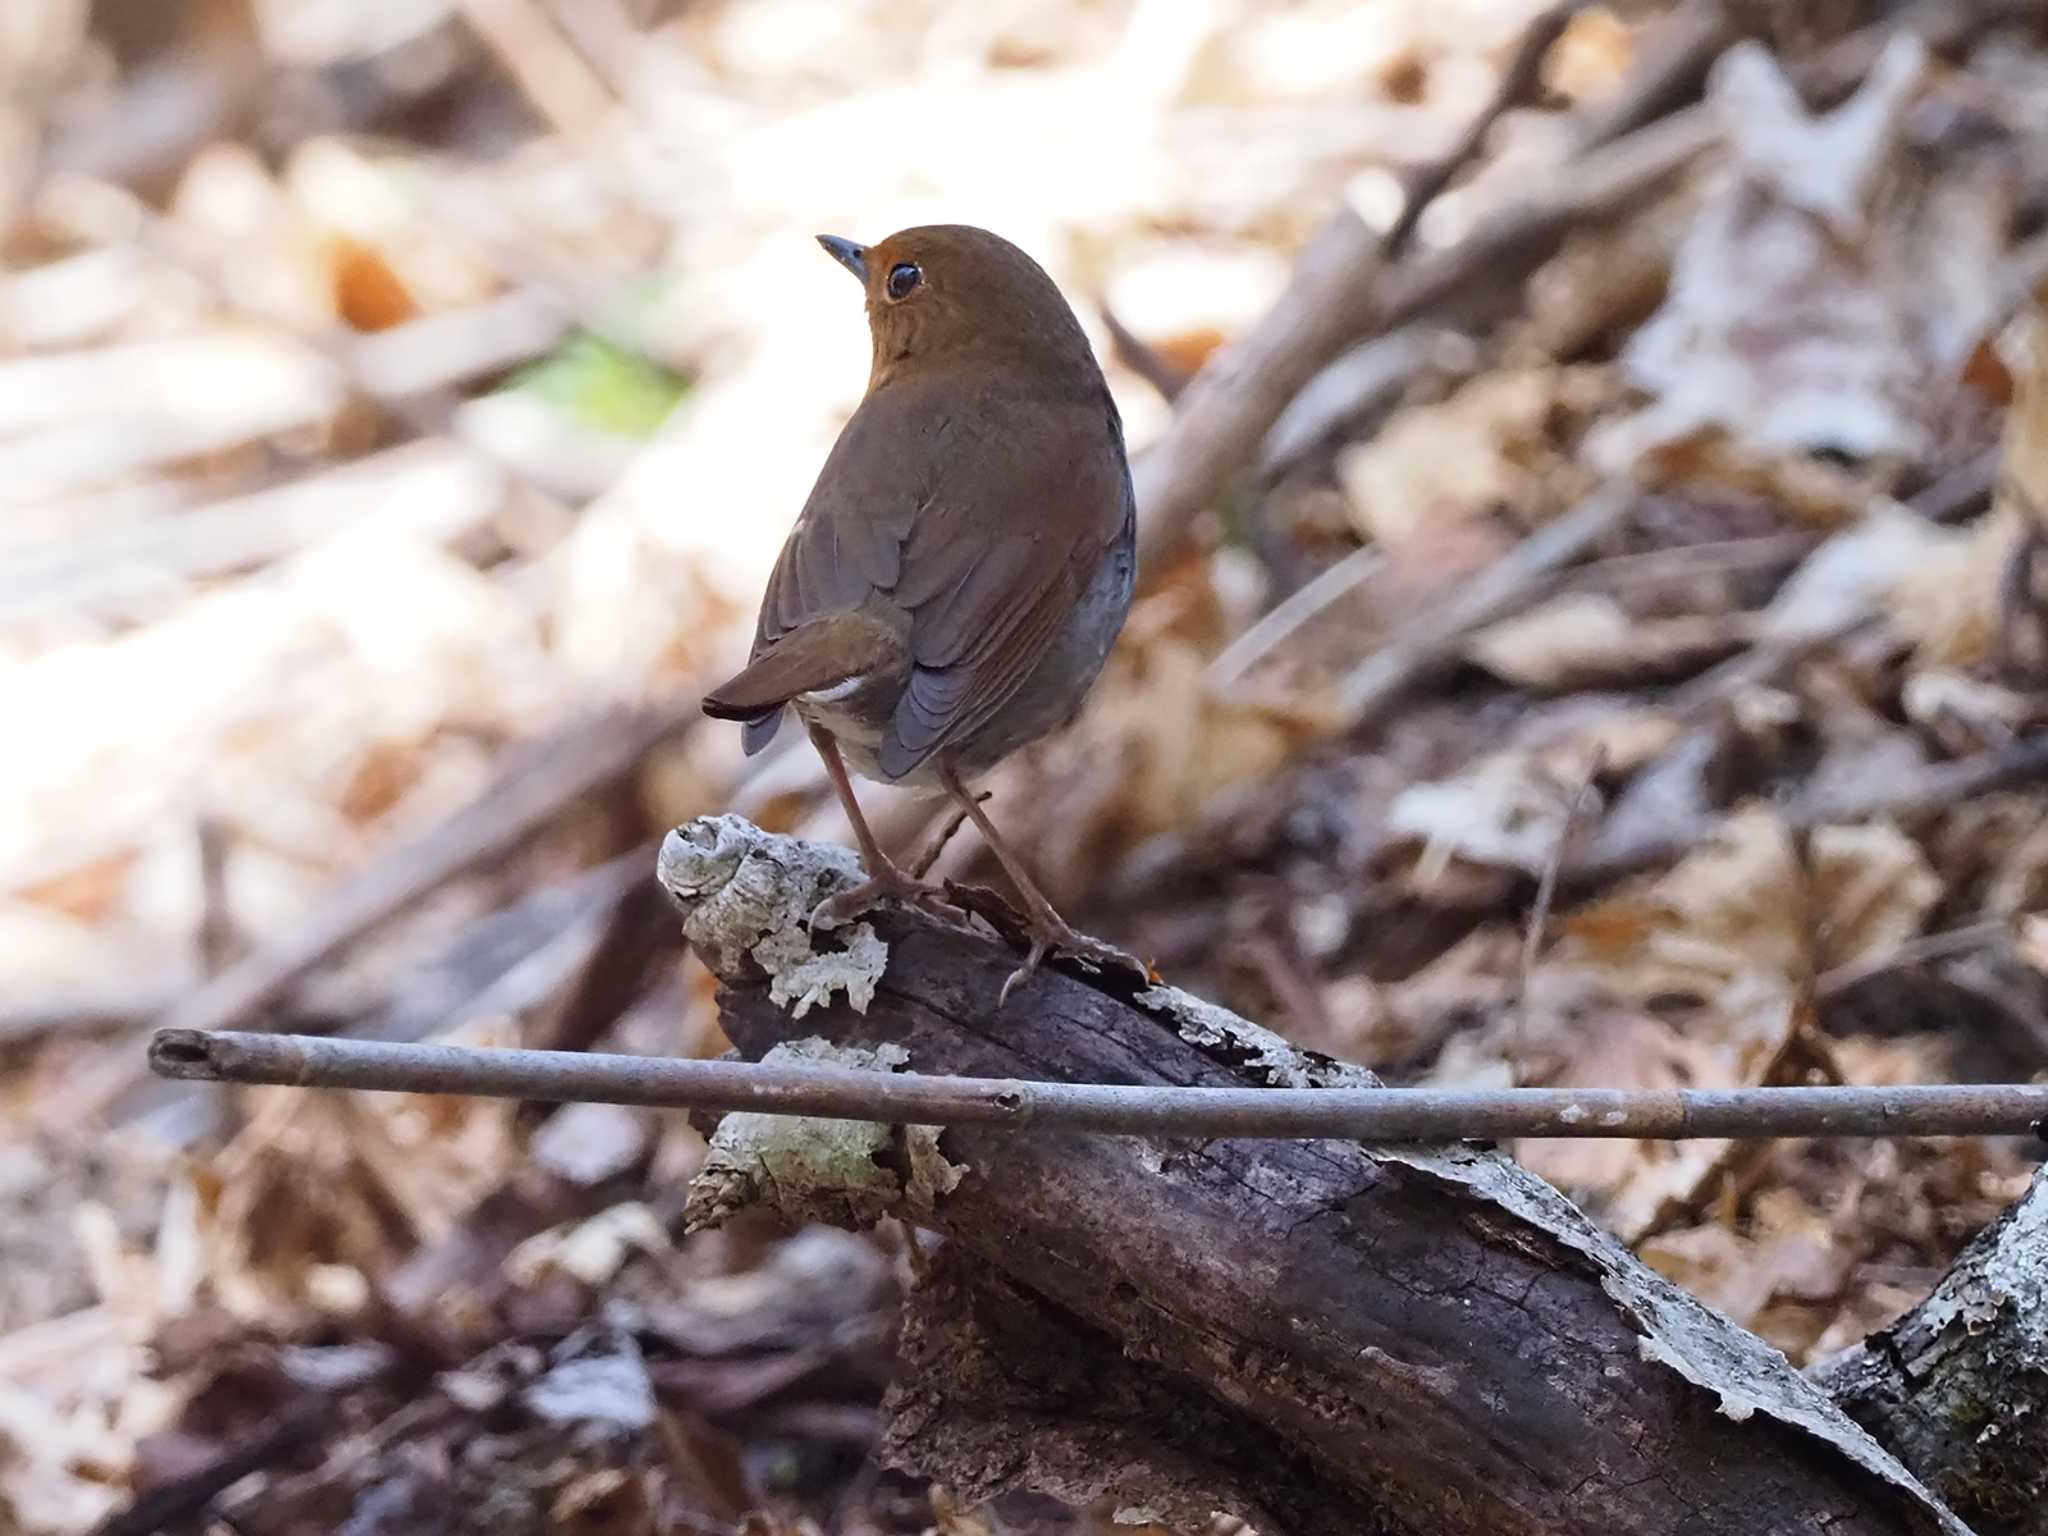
[(1603, 1045), (1849, 577), (1802, 315), (1588, 640), (1787, 1251), (1156, 742), (1731, 919), (1964, 714), (2032, 943), (1504, 440), (1947, 602), (1589, 61), (1508, 812), (1718, 946), (1872, 889)]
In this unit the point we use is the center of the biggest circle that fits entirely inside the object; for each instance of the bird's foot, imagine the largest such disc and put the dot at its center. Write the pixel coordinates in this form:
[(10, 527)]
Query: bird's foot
[(886, 883), (1049, 934)]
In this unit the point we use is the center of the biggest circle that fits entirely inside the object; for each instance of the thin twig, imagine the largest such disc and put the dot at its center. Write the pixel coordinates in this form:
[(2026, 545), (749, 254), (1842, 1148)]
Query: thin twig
[(218, 938), (948, 828), (532, 787), (1141, 357), (1518, 84), (1359, 1114), (1344, 398), (551, 74), (1287, 616), (1685, 562), (1932, 946), (1546, 893), (115, 1007), (1937, 787), (1500, 590), (1699, 700)]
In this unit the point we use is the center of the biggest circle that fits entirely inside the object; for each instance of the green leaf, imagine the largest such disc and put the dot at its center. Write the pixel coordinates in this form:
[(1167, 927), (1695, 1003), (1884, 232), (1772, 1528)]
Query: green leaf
[(604, 387)]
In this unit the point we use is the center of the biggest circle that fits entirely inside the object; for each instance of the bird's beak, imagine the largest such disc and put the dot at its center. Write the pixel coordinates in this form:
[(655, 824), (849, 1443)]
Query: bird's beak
[(848, 254)]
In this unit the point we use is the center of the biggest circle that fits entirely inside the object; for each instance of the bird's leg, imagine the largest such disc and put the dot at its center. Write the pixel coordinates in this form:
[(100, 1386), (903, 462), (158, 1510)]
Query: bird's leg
[(1048, 930), (885, 878)]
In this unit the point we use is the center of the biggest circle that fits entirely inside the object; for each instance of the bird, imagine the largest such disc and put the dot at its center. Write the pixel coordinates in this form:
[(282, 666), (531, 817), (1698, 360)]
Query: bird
[(963, 565)]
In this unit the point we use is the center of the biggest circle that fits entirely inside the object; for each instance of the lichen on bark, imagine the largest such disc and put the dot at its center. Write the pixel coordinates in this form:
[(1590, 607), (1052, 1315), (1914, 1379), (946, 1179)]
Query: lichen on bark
[(745, 894), (1957, 1389), (849, 1173)]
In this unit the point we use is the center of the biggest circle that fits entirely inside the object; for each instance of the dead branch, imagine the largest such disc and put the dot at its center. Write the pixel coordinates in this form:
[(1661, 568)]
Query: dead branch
[(1438, 1340), (1958, 1388), (1344, 289), (1518, 84), (440, 490), (1538, 926), (987, 1378), (635, 935), (1352, 1114), (1288, 615), (1514, 239), (1672, 71), (1914, 952), (1136, 354), (531, 788), (114, 1008), (552, 75), (1364, 383), (185, 1497), (1332, 301), (1935, 788)]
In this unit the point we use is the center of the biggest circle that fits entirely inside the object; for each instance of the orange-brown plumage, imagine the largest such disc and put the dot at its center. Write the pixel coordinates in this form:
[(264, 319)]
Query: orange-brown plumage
[(955, 580)]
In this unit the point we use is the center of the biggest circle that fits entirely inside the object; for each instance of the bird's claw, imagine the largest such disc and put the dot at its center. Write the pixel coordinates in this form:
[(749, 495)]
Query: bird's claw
[(892, 884), (1091, 952)]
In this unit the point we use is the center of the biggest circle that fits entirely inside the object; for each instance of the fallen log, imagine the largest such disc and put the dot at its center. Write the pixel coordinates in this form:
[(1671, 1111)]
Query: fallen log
[(1315, 1336), (1958, 1387)]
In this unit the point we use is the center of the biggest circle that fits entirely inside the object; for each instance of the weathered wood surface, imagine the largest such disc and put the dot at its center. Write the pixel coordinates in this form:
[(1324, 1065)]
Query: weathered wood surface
[(1426, 1340), (1958, 1387)]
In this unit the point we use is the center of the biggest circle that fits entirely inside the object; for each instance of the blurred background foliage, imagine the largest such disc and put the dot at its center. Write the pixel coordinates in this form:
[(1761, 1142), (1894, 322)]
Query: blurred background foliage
[(401, 403)]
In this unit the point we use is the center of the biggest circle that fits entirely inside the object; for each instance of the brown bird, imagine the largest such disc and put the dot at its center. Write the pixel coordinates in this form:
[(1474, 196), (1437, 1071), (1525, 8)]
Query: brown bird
[(964, 563)]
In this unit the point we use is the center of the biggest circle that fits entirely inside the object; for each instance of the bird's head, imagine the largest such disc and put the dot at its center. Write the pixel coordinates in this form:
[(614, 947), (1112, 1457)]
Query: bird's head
[(944, 295)]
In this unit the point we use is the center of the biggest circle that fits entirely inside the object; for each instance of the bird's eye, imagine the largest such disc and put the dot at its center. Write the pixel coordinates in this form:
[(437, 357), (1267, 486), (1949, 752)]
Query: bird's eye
[(903, 277)]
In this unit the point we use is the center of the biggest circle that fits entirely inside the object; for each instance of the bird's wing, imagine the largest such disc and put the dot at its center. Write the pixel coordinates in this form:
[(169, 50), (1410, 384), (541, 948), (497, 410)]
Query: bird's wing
[(1025, 507), (847, 544), (980, 520)]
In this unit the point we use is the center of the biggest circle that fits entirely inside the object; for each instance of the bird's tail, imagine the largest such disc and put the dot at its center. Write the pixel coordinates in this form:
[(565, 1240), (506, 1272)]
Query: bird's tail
[(811, 658)]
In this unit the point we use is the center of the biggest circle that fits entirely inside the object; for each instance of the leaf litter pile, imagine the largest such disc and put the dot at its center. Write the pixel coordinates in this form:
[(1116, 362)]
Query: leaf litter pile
[(400, 405)]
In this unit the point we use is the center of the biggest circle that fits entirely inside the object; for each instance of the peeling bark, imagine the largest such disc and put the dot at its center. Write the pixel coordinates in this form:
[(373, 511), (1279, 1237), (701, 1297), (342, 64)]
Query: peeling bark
[(1957, 1389), (1443, 1342)]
